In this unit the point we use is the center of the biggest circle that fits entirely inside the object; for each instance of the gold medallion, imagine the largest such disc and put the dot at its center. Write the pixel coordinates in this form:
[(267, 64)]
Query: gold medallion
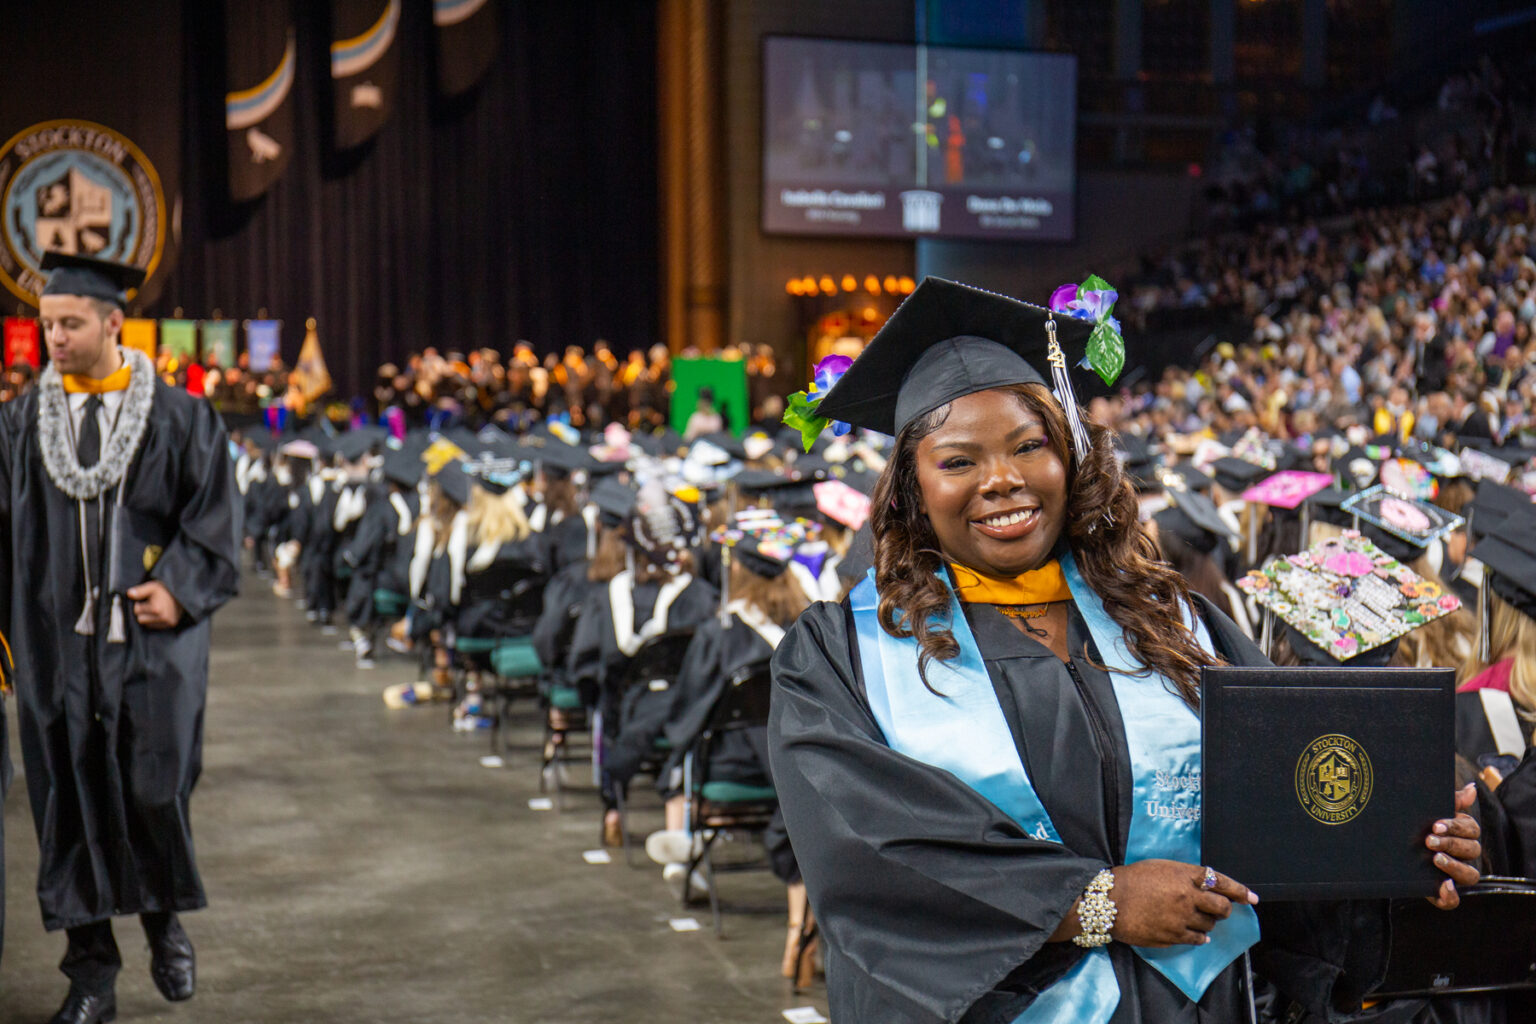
[(1334, 779)]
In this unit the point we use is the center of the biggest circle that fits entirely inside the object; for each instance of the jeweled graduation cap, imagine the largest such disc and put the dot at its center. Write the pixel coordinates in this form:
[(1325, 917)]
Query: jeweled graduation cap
[(90, 277), (949, 340)]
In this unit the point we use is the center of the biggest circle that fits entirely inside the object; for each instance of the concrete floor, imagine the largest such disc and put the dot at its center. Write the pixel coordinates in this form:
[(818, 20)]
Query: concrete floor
[(362, 866)]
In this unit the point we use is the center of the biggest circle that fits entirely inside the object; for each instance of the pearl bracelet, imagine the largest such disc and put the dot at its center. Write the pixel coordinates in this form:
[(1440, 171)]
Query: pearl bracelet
[(1096, 911)]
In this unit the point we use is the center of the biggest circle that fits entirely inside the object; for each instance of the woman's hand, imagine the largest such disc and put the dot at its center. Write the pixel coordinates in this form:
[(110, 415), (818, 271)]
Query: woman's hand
[(1457, 849), (1161, 903)]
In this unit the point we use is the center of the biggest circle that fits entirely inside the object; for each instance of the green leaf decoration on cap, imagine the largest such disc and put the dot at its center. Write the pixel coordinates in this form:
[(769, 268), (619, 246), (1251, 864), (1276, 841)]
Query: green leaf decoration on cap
[(1094, 300)]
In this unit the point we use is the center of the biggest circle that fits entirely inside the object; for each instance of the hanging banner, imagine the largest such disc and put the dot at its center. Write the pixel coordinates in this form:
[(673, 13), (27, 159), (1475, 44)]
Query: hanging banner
[(219, 342), (179, 338), (365, 65), (466, 42), (262, 343), (22, 342), (261, 53), (94, 165), (140, 333)]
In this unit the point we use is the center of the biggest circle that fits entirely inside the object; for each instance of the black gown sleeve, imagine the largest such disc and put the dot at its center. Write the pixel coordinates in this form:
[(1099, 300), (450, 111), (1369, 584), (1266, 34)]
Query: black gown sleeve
[(929, 895), (201, 564)]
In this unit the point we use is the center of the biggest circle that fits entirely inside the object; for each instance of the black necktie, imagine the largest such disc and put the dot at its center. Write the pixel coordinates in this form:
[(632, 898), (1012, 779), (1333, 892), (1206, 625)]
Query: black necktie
[(88, 448)]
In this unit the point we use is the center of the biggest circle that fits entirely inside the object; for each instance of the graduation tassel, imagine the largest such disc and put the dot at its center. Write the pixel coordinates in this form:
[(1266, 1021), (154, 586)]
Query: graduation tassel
[(117, 632), (86, 624), (1266, 631), (1064, 393), (1484, 614)]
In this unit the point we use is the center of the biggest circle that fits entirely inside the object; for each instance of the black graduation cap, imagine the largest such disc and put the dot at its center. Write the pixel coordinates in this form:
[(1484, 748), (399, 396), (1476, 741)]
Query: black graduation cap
[(615, 501), (1492, 505), (1138, 462), (765, 559), (562, 459), (1355, 468), (90, 277), (359, 441), (1189, 478), (496, 475), (1236, 475), (945, 341), (1174, 520), (454, 482), (1509, 559), (261, 437), (1200, 510), (403, 467), (728, 443)]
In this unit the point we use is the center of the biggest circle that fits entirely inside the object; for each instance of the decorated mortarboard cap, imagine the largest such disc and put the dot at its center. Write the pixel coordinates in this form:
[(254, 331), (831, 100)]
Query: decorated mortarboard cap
[(1308, 653), (1185, 476), (90, 277), (946, 341), (299, 448), (726, 442), (765, 544), (495, 475), (1236, 474), (1356, 468), (1509, 559)]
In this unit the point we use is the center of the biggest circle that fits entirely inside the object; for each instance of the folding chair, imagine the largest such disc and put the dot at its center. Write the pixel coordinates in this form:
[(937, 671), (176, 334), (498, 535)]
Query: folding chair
[(719, 806), (1488, 944), (565, 715), (653, 669)]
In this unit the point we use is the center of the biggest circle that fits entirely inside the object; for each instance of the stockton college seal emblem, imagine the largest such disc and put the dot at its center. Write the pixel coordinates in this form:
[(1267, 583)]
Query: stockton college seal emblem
[(80, 188), (1334, 779)]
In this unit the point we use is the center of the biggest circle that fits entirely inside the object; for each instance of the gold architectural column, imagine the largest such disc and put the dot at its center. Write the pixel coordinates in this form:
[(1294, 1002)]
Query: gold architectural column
[(692, 174)]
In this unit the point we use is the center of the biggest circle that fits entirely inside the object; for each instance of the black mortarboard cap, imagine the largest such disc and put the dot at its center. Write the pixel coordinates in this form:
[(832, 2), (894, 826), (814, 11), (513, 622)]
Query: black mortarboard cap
[(1493, 504), (945, 341), (1200, 510), (359, 441), (770, 563), (559, 457), (615, 501), (1356, 468), (403, 467), (763, 481), (90, 277), (1173, 520), (1509, 559), (1236, 475), (454, 482), (1194, 479)]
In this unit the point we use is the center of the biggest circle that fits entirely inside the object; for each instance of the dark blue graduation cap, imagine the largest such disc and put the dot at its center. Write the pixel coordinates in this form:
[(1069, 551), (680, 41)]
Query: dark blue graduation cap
[(90, 277), (945, 341)]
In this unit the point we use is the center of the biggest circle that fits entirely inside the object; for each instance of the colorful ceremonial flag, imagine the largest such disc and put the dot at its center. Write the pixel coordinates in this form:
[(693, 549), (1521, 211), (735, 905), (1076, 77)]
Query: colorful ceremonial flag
[(179, 338), (219, 342), (92, 162), (140, 333), (365, 66), (261, 54), (466, 42), (23, 343), (262, 343), (310, 379)]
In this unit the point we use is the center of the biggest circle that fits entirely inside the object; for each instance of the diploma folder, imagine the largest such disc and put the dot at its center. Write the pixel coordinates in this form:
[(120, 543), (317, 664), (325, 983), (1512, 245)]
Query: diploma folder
[(1322, 783)]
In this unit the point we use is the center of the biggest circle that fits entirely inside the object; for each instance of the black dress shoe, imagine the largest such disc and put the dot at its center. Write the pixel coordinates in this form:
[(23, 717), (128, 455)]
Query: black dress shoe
[(173, 964), (81, 1008)]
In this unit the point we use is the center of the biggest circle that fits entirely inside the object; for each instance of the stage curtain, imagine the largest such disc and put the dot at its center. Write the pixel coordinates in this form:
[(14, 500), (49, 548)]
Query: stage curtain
[(525, 208)]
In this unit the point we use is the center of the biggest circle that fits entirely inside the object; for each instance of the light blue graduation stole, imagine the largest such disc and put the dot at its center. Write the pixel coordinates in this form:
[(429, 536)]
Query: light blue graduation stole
[(964, 732)]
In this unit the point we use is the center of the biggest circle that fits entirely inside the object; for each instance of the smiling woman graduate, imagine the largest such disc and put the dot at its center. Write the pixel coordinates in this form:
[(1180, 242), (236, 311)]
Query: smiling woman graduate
[(988, 757)]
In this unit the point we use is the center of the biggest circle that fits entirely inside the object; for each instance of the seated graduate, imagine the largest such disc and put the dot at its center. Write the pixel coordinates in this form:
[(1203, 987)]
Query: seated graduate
[(560, 512), (378, 552), (763, 599), (656, 594), (967, 749)]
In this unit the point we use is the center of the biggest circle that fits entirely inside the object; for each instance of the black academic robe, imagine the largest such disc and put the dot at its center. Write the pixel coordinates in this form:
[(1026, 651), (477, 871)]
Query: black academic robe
[(502, 599), (935, 904), (371, 550), (111, 734)]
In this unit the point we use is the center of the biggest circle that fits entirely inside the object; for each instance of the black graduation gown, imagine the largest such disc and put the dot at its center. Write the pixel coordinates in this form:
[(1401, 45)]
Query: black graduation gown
[(595, 661), (370, 551), (503, 599), (111, 734), (936, 905)]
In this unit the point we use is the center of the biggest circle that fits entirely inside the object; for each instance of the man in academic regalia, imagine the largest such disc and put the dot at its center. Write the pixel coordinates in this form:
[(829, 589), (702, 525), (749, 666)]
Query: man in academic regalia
[(118, 541)]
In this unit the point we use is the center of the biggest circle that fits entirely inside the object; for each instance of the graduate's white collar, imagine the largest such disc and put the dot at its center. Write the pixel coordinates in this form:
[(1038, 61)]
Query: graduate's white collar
[(752, 616), (54, 435), (621, 598)]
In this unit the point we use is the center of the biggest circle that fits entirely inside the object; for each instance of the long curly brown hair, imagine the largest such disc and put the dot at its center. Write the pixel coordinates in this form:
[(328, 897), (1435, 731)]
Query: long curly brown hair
[(1118, 560)]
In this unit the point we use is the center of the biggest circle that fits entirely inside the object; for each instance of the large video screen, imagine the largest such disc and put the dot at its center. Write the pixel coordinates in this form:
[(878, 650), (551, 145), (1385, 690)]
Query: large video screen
[(901, 141)]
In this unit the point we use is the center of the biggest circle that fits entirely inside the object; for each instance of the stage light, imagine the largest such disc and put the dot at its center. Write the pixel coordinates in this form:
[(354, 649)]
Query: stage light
[(808, 285), (793, 287), (891, 284), (828, 285), (907, 285), (850, 282), (872, 284)]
